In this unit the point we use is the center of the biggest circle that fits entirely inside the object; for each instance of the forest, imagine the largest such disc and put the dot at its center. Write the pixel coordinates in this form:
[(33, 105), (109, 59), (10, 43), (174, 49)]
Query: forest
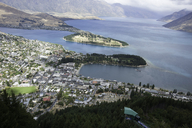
[(155, 112), (13, 115), (116, 59)]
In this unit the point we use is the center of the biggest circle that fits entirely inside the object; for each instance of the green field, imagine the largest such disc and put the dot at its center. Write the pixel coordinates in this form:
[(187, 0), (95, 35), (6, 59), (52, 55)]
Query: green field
[(21, 90)]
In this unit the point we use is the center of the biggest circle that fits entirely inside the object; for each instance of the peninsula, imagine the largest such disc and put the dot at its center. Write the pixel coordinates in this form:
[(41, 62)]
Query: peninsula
[(89, 38)]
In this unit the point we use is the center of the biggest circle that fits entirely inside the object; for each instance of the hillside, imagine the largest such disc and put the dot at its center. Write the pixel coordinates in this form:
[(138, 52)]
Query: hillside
[(11, 17), (174, 16), (88, 7), (155, 112), (181, 24), (130, 11)]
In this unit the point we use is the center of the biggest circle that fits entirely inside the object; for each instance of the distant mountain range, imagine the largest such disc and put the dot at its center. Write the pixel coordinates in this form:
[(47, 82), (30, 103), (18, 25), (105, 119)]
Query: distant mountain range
[(182, 24), (11, 17), (175, 16), (89, 7), (130, 11), (71, 8)]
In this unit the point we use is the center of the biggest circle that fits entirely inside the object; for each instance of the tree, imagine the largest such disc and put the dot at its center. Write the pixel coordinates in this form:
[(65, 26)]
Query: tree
[(175, 91), (148, 85), (14, 115), (140, 84), (153, 86), (7, 83), (59, 95), (188, 93)]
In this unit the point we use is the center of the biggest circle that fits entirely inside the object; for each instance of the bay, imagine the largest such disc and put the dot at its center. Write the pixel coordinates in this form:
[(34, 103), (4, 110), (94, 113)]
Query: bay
[(168, 52)]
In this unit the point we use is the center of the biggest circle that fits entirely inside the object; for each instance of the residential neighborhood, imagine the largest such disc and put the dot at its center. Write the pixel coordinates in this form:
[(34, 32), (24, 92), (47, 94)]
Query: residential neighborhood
[(33, 63)]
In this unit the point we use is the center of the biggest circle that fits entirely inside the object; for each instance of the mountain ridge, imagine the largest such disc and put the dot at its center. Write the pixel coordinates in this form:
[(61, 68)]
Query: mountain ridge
[(130, 11), (11, 17), (80, 8), (89, 7), (174, 16), (181, 24)]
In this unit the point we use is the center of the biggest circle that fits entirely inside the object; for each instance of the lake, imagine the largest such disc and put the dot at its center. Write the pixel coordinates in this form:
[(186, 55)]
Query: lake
[(167, 52)]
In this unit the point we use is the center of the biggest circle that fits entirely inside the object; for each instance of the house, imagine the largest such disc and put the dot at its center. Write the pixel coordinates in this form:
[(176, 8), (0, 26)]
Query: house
[(25, 81), (16, 84), (34, 80), (47, 98), (24, 85), (95, 82), (126, 89), (41, 94), (50, 81), (43, 57), (72, 95), (81, 87)]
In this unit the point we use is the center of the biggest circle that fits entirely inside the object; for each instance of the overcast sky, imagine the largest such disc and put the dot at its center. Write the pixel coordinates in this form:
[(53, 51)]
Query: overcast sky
[(158, 5)]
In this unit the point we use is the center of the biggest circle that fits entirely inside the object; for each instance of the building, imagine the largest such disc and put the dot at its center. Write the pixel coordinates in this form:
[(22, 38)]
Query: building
[(47, 98), (131, 114)]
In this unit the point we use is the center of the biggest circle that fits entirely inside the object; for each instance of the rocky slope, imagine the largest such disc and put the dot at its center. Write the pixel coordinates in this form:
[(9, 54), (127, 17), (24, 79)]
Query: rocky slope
[(175, 16), (11, 17), (181, 24)]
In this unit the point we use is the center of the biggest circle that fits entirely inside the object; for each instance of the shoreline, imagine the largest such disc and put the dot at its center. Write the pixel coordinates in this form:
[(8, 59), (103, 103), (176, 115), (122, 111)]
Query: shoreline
[(139, 66), (78, 70), (83, 64)]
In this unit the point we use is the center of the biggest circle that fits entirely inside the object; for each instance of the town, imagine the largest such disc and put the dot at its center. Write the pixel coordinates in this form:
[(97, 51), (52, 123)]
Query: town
[(48, 85)]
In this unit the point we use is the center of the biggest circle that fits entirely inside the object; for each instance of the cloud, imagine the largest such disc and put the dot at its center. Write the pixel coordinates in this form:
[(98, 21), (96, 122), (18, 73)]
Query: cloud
[(157, 5)]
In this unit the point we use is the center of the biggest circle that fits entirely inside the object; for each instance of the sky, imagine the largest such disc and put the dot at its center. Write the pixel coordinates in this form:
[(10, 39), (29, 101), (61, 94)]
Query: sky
[(157, 5)]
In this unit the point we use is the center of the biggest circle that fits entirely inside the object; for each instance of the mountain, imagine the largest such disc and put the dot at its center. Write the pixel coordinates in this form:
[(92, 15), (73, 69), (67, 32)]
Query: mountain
[(11, 17), (174, 16), (130, 11), (181, 24), (88, 7), (78, 9)]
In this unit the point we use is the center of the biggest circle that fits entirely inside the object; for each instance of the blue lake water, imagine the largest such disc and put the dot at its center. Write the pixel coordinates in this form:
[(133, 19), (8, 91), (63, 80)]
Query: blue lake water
[(168, 52)]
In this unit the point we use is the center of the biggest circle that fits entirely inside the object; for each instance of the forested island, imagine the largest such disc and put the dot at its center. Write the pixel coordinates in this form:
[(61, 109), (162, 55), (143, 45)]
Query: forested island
[(116, 59), (89, 38)]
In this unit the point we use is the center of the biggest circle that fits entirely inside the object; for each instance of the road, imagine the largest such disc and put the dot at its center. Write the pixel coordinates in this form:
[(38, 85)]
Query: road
[(53, 104), (94, 94)]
